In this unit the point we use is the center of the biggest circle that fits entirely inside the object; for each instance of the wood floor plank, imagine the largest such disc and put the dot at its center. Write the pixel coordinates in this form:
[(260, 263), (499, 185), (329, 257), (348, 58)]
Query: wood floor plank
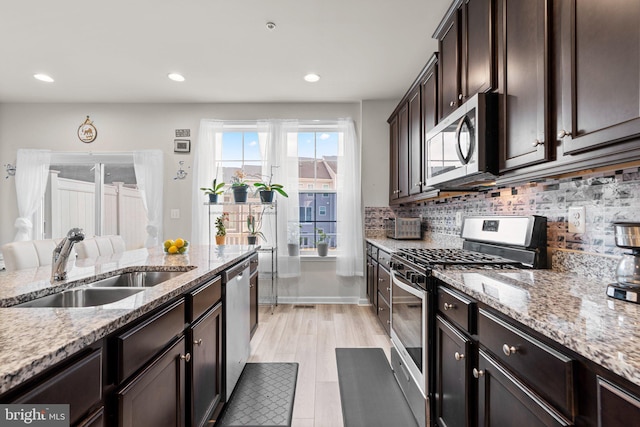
[(310, 336)]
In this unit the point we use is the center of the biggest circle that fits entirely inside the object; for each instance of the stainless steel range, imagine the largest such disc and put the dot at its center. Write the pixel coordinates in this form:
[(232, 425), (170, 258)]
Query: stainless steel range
[(505, 242)]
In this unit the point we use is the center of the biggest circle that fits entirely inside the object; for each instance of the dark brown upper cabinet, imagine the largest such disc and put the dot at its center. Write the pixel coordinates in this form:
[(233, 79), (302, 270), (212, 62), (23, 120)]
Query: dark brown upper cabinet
[(523, 39), (399, 154), (467, 53), (393, 158), (600, 74), (415, 142)]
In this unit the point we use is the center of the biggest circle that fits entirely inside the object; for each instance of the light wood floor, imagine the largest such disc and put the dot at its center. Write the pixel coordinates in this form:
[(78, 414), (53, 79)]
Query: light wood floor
[(310, 336)]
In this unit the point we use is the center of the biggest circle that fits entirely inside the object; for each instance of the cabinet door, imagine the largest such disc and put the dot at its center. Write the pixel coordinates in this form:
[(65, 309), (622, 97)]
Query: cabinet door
[(415, 143), (156, 396), (403, 152), (505, 401), (478, 70), (616, 406), (453, 386), (394, 186), (253, 303), (600, 73), (372, 267), (448, 67), (205, 371), (384, 314), (523, 76)]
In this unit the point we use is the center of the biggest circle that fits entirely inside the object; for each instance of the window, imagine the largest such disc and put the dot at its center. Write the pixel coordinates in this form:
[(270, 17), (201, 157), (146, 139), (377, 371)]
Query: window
[(317, 167)]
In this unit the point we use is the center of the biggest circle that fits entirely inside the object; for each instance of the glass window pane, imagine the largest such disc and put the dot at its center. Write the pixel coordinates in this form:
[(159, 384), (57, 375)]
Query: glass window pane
[(251, 146), (232, 146)]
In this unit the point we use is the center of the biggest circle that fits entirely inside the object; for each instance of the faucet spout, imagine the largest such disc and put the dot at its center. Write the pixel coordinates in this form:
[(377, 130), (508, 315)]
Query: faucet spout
[(61, 254)]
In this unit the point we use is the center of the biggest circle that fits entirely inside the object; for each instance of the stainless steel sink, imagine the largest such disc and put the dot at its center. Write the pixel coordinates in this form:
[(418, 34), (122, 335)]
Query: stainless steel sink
[(136, 279), (82, 297)]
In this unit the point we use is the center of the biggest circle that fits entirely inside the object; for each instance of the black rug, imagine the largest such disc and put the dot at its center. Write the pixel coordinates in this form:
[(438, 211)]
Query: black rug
[(263, 396), (369, 392)]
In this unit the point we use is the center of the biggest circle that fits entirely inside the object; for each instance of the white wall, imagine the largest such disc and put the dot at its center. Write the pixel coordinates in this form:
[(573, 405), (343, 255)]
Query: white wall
[(127, 127)]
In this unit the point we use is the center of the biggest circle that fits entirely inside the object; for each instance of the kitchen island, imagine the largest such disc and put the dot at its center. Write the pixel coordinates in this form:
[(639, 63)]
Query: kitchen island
[(34, 339)]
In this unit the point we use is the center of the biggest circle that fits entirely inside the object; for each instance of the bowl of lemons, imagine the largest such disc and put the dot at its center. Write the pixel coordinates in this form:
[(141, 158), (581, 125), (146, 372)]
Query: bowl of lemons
[(176, 247)]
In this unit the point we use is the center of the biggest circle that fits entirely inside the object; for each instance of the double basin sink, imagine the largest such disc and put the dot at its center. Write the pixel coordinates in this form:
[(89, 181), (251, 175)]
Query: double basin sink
[(104, 291)]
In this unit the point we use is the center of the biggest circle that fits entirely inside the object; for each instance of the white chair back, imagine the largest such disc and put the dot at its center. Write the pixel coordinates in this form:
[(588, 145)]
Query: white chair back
[(29, 253), (100, 245)]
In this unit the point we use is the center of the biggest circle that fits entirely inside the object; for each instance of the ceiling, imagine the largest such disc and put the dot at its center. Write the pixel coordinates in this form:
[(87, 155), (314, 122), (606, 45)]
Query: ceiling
[(122, 51)]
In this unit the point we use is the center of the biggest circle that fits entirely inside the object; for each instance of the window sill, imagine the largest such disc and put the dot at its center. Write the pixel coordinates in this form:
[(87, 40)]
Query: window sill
[(316, 258)]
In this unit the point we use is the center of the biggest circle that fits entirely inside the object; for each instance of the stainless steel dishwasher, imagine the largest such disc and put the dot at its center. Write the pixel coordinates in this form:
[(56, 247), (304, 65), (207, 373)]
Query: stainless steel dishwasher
[(236, 310)]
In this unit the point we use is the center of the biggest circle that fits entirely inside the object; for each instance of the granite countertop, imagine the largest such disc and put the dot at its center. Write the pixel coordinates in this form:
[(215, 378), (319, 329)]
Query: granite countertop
[(32, 339), (571, 310)]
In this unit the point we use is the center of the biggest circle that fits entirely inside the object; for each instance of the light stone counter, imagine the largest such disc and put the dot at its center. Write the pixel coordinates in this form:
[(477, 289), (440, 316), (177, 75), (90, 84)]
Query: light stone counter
[(570, 309), (32, 339)]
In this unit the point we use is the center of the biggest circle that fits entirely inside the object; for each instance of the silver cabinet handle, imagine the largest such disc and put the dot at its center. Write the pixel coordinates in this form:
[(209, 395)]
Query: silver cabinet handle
[(537, 142), (198, 342), (563, 133), (186, 357), (452, 104), (448, 306), (388, 322), (458, 356), (460, 97), (508, 350), (380, 280), (380, 309), (477, 373), (417, 184), (388, 289)]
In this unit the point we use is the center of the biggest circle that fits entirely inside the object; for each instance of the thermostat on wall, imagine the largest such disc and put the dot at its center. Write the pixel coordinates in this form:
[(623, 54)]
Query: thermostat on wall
[(181, 145)]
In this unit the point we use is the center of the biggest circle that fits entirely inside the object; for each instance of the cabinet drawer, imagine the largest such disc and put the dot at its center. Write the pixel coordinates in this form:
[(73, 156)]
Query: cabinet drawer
[(203, 298), (546, 370), (384, 314), (384, 259), (139, 344), (384, 283), (372, 251), (458, 309), (78, 385)]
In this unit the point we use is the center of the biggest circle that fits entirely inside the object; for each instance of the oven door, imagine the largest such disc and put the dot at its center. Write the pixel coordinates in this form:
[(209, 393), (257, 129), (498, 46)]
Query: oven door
[(408, 327)]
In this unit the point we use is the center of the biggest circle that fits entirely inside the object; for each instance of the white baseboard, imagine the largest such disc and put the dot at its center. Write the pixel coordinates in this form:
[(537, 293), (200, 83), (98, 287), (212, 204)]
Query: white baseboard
[(314, 300)]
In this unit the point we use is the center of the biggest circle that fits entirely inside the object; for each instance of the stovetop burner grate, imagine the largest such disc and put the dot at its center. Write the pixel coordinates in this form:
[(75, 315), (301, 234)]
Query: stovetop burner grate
[(452, 257)]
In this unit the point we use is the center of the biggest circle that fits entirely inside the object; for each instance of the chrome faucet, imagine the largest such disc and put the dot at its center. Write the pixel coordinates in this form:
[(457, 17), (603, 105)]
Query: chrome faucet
[(61, 254)]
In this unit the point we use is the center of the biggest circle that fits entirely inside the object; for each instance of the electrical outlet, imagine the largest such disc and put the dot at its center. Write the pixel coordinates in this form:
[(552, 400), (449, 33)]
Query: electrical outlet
[(175, 213), (458, 219), (577, 219)]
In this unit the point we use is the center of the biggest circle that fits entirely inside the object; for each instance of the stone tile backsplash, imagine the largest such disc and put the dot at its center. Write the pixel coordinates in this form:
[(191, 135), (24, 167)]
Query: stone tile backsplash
[(607, 197)]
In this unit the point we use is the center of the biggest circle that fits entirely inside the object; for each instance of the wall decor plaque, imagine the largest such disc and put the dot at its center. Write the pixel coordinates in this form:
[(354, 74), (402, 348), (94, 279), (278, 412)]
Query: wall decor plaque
[(87, 132)]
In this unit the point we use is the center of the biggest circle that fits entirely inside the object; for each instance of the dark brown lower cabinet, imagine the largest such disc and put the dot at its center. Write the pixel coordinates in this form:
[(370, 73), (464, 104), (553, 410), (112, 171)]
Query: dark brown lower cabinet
[(96, 419), (78, 384), (454, 389), (205, 368), (384, 314), (616, 407), (505, 401), (156, 396), (253, 303)]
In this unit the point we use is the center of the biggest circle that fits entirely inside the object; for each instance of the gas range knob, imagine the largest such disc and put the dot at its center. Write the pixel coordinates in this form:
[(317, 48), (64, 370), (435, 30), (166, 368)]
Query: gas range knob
[(417, 278), (397, 266)]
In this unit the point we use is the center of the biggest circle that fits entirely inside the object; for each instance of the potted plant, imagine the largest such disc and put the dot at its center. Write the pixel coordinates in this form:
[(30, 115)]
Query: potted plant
[(239, 186), (221, 230), (267, 190), (253, 227), (214, 191), (293, 239), (321, 242)]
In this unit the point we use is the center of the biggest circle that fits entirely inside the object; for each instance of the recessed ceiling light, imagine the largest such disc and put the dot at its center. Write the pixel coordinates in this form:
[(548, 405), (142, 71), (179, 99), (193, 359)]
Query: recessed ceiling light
[(176, 77), (312, 78), (43, 78)]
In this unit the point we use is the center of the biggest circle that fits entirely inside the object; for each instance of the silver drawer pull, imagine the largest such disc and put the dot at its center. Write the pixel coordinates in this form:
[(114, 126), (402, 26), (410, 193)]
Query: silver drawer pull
[(508, 350), (477, 373), (198, 342), (388, 322), (458, 356), (186, 357), (380, 280), (563, 133), (537, 142), (388, 289), (448, 306), (380, 309)]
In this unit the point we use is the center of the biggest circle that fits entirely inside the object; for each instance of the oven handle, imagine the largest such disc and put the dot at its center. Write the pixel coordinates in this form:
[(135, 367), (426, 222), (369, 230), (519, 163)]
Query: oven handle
[(413, 290)]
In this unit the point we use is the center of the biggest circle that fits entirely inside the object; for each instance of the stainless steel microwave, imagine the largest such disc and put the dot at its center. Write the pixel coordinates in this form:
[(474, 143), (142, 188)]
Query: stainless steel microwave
[(462, 150)]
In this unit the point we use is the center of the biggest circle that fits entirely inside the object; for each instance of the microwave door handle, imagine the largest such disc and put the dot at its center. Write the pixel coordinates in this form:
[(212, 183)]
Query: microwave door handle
[(463, 159)]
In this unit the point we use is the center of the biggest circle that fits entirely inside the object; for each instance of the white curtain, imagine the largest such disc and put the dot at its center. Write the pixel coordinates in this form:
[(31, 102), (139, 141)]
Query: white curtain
[(149, 168), (205, 169), (282, 160), (349, 210), (32, 172)]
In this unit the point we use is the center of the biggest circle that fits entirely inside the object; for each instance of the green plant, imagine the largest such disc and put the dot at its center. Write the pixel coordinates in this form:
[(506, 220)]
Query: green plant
[(216, 188), (253, 227), (221, 229), (322, 236), (268, 186), (238, 179)]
